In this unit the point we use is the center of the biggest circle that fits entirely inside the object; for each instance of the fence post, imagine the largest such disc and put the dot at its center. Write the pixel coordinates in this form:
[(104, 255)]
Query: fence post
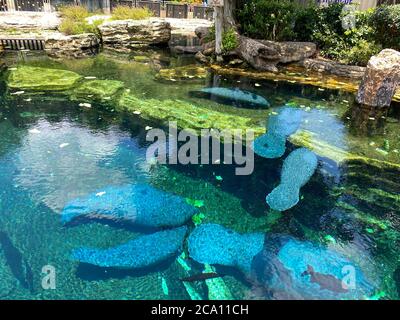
[(106, 6), (10, 5)]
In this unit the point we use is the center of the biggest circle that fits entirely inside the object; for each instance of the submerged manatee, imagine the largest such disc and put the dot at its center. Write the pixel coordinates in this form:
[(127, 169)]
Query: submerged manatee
[(272, 144), (139, 204), (297, 169), (236, 96), (144, 251), (293, 269), (213, 244)]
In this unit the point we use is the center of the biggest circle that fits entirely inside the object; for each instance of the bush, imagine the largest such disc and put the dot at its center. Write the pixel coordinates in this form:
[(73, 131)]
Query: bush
[(229, 40), (73, 12), (386, 22), (125, 12)]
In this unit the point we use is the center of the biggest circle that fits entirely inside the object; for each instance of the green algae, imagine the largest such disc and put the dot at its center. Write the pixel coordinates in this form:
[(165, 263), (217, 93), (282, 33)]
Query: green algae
[(189, 72), (36, 79), (187, 116), (97, 90)]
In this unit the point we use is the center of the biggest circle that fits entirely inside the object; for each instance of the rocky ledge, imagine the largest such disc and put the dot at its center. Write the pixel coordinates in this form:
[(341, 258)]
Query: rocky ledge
[(76, 46), (126, 35)]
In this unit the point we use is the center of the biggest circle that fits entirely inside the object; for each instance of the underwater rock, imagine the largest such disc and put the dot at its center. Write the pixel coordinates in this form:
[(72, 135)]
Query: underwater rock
[(8, 282), (144, 251), (97, 90), (293, 269), (297, 169), (139, 204), (213, 244), (273, 143), (236, 96), (34, 78), (183, 73), (380, 80)]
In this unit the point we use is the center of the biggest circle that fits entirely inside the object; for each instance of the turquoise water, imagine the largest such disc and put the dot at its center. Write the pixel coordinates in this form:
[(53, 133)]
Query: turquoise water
[(52, 152)]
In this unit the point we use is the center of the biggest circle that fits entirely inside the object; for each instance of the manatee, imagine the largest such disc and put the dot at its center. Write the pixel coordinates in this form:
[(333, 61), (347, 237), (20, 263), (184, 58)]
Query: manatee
[(234, 96), (284, 268), (138, 204), (297, 170), (213, 244), (144, 251), (272, 144)]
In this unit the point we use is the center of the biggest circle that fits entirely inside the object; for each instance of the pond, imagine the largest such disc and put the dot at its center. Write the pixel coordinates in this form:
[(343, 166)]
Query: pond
[(57, 154)]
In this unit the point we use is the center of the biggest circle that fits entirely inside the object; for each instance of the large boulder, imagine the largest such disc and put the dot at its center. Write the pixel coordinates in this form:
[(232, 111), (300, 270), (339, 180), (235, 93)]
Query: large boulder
[(332, 67), (75, 46), (380, 80), (125, 35)]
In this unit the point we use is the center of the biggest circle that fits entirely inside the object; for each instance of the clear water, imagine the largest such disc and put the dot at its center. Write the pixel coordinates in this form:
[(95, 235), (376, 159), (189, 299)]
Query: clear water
[(52, 151)]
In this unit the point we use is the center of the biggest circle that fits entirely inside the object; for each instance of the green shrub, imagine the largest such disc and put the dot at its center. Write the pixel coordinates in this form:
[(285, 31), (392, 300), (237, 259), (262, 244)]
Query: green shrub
[(229, 40), (125, 12), (386, 22), (360, 53), (73, 12)]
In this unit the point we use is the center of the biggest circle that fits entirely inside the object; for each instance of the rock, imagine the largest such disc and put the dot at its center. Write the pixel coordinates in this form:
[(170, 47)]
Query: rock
[(183, 73), (335, 68), (202, 32), (28, 20), (235, 62), (97, 90), (137, 204), (265, 55), (37, 79), (8, 281), (202, 58), (125, 35), (381, 79), (144, 251), (186, 49), (75, 46), (213, 244)]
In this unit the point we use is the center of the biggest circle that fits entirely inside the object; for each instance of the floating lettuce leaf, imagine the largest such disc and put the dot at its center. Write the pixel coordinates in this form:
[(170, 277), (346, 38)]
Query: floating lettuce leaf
[(214, 244), (139, 204), (297, 169), (144, 251)]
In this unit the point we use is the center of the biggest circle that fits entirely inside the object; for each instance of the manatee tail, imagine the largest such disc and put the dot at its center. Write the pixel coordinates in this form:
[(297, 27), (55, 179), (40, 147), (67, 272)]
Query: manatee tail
[(283, 197)]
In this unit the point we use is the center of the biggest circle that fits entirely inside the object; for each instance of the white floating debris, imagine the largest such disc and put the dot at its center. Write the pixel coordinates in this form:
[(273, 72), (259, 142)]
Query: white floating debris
[(90, 77), (34, 131), (63, 145), (136, 112), (85, 105), (396, 151), (381, 151), (17, 93), (321, 89), (257, 85), (217, 161), (172, 79), (28, 100), (99, 194), (148, 128), (128, 90), (12, 69), (372, 143), (371, 118), (238, 81), (89, 95)]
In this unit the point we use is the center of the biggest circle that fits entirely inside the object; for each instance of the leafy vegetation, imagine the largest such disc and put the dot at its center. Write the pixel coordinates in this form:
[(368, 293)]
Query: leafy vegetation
[(74, 21), (229, 40), (287, 20), (125, 12)]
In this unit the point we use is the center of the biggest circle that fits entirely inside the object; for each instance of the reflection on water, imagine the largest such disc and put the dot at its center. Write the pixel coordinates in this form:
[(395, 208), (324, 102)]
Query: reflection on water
[(52, 151)]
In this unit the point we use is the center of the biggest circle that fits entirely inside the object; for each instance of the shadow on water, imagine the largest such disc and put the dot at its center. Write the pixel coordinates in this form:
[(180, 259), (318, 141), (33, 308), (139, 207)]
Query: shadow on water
[(18, 265), (90, 272)]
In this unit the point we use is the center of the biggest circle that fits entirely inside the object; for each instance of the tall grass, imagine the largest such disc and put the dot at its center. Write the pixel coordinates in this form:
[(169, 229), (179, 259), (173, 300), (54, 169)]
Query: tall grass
[(74, 20), (125, 13)]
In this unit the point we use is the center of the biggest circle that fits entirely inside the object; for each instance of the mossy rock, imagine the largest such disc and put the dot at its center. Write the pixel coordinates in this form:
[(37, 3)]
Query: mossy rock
[(186, 115), (97, 90), (42, 79), (182, 73), (142, 59)]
